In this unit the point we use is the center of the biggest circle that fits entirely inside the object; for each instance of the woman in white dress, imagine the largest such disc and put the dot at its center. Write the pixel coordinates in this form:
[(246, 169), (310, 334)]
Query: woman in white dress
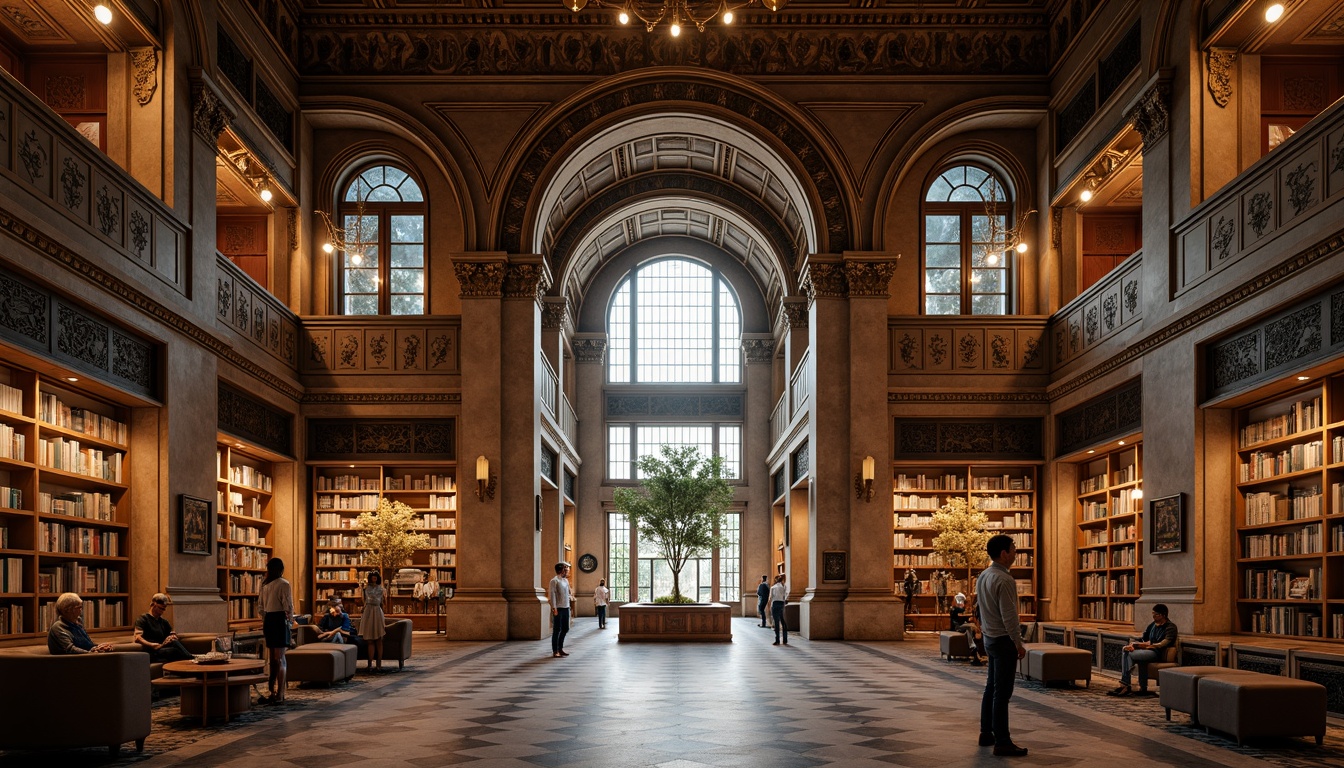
[(371, 625)]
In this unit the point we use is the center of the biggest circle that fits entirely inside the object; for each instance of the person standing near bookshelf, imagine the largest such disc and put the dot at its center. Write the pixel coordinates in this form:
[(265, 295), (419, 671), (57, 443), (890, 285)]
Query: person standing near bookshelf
[(276, 603), (372, 626), (996, 596)]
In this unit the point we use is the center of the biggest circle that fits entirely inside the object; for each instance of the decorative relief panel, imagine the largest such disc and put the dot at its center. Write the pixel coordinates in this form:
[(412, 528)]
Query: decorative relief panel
[(1102, 311), (1115, 413), (1309, 331), (966, 345), (546, 463), (799, 461), (253, 312), (968, 439), (382, 439), (256, 421), (377, 345), (635, 406), (569, 485)]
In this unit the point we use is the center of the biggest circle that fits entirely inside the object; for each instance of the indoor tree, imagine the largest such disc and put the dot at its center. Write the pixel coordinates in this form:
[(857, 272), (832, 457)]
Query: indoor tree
[(962, 537), (681, 502), (389, 534)]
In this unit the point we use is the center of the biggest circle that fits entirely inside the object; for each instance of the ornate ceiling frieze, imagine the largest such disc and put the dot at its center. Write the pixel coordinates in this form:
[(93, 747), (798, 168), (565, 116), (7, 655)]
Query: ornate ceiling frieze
[(869, 278), (967, 397), (480, 279), (373, 398)]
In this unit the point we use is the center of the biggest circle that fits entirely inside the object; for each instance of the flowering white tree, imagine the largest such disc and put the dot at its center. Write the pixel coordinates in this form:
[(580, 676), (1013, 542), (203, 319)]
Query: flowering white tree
[(389, 535), (962, 537)]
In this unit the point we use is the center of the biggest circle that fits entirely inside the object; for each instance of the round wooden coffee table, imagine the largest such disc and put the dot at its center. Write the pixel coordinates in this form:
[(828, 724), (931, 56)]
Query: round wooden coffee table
[(229, 682)]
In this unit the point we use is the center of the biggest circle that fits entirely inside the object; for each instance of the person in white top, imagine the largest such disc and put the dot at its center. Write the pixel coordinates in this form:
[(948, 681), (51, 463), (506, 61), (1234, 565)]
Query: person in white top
[(426, 591), (601, 596), (779, 597), (276, 604), (558, 596)]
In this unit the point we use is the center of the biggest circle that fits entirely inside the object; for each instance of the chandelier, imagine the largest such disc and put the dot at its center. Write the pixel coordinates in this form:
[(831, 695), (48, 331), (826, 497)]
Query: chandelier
[(676, 12), (352, 239)]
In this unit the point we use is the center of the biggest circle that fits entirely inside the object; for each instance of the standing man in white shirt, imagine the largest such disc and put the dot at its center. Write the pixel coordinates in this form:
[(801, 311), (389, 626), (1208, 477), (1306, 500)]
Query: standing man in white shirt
[(601, 596), (558, 595), (996, 593)]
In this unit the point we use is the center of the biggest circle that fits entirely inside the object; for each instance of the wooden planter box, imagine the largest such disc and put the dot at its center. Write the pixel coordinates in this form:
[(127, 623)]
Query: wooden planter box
[(699, 623)]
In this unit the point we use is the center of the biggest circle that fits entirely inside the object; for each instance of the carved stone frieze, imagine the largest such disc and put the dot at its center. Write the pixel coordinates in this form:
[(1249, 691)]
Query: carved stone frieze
[(589, 350), (758, 350), (209, 114), (1220, 61), (1151, 116), (292, 219), (332, 438), (1114, 413), (480, 279), (825, 279), (145, 74), (869, 278), (928, 438), (257, 421), (526, 281)]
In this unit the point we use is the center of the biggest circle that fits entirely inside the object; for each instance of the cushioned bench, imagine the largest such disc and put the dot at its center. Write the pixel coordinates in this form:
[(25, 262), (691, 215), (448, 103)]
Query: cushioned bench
[(1255, 705), (1022, 662), (1056, 663), (953, 644), (1179, 687), (321, 663)]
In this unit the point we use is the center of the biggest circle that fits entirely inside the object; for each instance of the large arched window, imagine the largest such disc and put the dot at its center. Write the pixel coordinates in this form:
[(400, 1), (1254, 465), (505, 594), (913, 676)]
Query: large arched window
[(383, 264), (967, 267)]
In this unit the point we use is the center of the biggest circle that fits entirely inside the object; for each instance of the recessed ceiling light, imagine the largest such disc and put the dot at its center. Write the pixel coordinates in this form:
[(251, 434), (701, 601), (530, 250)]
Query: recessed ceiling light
[(1092, 451), (1272, 14), (104, 14), (1085, 195), (1303, 378), (1122, 442), (72, 378)]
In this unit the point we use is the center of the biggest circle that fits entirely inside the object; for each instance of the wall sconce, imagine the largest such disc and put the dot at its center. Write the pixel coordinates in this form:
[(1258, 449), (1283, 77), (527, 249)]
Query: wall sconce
[(863, 480), (485, 482)]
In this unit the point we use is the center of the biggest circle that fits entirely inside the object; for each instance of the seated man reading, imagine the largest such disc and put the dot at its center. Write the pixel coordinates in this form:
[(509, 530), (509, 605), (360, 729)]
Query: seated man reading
[(1158, 640), (67, 635), (156, 635)]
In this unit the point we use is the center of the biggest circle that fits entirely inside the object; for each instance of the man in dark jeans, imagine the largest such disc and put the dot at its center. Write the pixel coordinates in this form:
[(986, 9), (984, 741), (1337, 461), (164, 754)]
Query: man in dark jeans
[(996, 593), (762, 597)]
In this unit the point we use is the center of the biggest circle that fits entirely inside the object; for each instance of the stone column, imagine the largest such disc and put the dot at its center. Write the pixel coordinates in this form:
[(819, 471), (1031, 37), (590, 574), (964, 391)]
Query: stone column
[(759, 352), (871, 610), (526, 278), (829, 467), (478, 610), (591, 526)]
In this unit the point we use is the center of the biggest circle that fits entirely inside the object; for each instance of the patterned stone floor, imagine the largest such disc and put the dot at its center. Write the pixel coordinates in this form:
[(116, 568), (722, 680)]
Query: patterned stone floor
[(510, 705)]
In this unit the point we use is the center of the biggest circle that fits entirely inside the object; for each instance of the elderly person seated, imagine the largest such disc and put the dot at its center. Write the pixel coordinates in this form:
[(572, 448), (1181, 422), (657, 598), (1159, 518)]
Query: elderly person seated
[(156, 635), (67, 635)]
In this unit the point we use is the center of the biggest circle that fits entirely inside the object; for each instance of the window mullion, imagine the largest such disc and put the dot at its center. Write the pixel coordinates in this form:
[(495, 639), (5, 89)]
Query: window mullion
[(384, 262), (634, 330)]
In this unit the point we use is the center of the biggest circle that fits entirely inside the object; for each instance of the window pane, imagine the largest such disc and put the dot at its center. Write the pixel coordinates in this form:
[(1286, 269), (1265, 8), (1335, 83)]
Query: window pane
[(942, 229), (674, 317), (730, 337), (361, 305), (942, 305), (989, 305), (942, 256), (730, 448), (618, 337), (965, 194), (651, 438), (358, 190), (393, 176), (980, 227), (938, 190), (989, 256), (408, 255), (975, 176), (987, 280), (618, 451), (408, 229), (942, 281), (618, 557), (361, 281), (408, 281), (408, 305), (730, 559)]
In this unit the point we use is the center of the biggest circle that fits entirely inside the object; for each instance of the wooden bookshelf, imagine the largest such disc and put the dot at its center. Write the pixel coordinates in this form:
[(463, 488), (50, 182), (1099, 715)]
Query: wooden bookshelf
[(245, 516), (341, 491), (1006, 493), (1109, 514), (64, 504), (1289, 472)]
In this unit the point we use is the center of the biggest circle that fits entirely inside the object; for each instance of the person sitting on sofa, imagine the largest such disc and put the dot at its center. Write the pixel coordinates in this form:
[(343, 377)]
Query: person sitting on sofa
[(67, 635), (156, 635), (334, 626), (1158, 640)]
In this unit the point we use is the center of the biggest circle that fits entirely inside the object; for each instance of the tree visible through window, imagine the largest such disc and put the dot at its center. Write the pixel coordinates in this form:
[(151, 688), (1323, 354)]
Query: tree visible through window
[(967, 267), (383, 266)]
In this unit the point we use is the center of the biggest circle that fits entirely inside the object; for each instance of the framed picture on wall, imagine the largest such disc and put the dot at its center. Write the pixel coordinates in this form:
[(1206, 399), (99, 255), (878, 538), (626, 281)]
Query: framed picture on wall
[(1166, 525), (196, 526)]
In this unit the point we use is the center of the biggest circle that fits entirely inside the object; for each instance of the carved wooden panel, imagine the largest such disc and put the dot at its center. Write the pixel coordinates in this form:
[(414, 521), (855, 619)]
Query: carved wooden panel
[(253, 312), (381, 345), (1099, 312), (254, 420), (1292, 339), (1112, 414)]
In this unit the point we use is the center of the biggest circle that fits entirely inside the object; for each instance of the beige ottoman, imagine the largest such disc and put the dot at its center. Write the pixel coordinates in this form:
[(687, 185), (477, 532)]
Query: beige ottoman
[(1058, 663), (1022, 662), (953, 644), (321, 663), (1180, 687), (1257, 705)]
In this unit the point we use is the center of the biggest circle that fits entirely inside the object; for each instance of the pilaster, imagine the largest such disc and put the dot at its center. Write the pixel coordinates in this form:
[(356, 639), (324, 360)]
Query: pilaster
[(759, 352)]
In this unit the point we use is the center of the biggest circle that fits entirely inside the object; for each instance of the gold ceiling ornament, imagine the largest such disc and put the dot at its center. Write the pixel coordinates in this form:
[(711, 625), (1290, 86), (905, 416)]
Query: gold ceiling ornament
[(677, 13), (1011, 237), (350, 240)]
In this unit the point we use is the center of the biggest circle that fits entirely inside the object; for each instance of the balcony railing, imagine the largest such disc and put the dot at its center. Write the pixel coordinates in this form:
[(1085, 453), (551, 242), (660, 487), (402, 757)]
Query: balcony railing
[(1100, 312), (569, 421), (1301, 178), (410, 344), (966, 344), (254, 313), (550, 389), (48, 158), (779, 418), (800, 385)]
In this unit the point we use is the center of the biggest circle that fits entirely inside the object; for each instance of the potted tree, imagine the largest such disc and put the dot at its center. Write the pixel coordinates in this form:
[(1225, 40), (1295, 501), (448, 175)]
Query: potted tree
[(962, 537), (679, 506), (389, 534)]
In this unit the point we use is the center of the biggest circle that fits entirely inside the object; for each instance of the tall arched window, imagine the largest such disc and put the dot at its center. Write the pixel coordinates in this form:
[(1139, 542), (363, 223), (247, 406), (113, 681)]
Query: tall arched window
[(967, 267), (383, 266)]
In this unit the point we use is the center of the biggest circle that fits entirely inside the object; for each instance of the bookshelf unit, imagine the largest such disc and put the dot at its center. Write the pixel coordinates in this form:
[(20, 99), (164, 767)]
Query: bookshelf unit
[(64, 504), (342, 491), (1110, 533), (1289, 463), (245, 515), (1006, 493)]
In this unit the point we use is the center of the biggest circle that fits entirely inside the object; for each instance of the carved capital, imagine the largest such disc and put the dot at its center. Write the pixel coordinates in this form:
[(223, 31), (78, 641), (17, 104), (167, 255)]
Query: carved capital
[(554, 312), (1220, 61), (292, 217), (869, 278), (145, 73), (824, 280), (1056, 227), (1151, 116), (793, 314), (590, 349), (480, 279), (209, 114), (758, 350), (526, 280)]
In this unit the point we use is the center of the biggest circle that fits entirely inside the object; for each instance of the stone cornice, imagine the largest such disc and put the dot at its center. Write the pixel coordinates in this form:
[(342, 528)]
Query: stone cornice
[(142, 302), (1151, 112), (589, 349), (869, 277), (1331, 247), (480, 279), (209, 114), (968, 397), (381, 396), (824, 279)]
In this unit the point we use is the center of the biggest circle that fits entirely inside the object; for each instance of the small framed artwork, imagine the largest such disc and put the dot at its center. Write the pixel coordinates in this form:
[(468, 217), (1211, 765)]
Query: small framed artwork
[(1166, 525), (834, 566), (196, 526)]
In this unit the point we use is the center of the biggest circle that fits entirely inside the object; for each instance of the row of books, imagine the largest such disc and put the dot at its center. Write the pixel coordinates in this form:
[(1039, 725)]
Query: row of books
[(1118, 534), (1286, 620), (933, 560), (1092, 559), (1097, 610), (1126, 474), (1260, 465), (11, 619), (4, 536), (1124, 557), (1305, 541), (348, 483), (1101, 584), (1095, 510), (911, 501), (11, 574), (913, 521), (13, 445), (249, 506), (84, 505), (1021, 501), (422, 483), (1274, 507), (73, 577), (53, 411), (98, 613), (243, 557), (923, 482), (1274, 584), (242, 608), (368, 502), (11, 399), (66, 455), (443, 558), (245, 582), (242, 534), (337, 540), (1092, 484), (906, 541), (1000, 483), (444, 540), (59, 537), (241, 474), (340, 558), (11, 497), (444, 503), (431, 520), (1302, 415), (340, 574)]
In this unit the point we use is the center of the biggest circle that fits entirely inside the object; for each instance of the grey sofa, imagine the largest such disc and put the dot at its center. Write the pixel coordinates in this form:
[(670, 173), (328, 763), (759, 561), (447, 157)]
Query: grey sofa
[(89, 700)]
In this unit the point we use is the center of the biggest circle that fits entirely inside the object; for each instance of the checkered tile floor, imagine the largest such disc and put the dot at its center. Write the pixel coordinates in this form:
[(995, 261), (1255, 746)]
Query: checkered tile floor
[(510, 705)]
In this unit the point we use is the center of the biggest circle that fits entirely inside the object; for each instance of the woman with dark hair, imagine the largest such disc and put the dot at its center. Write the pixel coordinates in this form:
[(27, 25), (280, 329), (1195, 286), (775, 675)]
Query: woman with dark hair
[(276, 604), (371, 624)]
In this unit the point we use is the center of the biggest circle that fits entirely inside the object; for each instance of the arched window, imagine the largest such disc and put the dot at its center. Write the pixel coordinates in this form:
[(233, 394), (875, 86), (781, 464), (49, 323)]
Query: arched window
[(383, 265), (968, 269), (674, 321)]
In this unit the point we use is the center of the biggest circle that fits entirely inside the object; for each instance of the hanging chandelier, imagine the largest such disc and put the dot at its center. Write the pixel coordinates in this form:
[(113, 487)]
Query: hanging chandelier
[(677, 13)]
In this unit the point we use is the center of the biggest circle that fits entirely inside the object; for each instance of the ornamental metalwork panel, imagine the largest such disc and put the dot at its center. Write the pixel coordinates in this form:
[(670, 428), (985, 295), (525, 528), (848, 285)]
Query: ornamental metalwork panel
[(382, 439), (1260, 662), (255, 421), (969, 439), (1113, 652), (1295, 338), (1327, 672), (621, 406), (1108, 415)]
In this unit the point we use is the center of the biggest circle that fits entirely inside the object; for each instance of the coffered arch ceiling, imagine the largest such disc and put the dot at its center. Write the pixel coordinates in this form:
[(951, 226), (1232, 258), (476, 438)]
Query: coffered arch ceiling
[(686, 174)]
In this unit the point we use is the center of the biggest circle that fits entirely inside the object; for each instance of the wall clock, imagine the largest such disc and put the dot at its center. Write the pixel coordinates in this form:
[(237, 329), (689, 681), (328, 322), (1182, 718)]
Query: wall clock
[(587, 563)]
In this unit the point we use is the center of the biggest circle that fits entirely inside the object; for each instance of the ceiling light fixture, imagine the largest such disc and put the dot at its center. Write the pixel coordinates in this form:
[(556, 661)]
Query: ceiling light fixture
[(353, 238), (1272, 14), (266, 194), (102, 13), (1085, 195), (1303, 378), (677, 13)]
